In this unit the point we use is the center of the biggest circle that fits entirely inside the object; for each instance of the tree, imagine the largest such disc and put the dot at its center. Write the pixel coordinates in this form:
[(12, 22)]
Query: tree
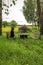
[(13, 23), (29, 10), (5, 23), (0, 17), (40, 16)]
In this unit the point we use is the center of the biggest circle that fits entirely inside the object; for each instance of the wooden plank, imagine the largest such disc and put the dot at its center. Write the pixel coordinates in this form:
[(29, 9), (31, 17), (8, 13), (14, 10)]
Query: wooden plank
[(23, 34)]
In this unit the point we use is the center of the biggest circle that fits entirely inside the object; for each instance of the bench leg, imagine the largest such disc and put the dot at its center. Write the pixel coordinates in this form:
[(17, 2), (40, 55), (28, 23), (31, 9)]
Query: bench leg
[(23, 36), (26, 36)]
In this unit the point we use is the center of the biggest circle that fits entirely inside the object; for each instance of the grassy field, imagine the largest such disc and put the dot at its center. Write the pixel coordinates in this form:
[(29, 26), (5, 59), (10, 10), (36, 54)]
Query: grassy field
[(7, 29), (21, 51), (16, 30)]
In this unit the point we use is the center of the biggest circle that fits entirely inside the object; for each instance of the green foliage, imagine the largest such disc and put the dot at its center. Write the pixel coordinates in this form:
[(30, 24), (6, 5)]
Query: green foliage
[(13, 2), (13, 23), (30, 10), (5, 23), (4, 4)]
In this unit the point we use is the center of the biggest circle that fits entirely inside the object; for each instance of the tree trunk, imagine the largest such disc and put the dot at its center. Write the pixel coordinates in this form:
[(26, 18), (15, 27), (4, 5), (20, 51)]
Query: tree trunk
[(40, 17), (0, 17), (41, 26)]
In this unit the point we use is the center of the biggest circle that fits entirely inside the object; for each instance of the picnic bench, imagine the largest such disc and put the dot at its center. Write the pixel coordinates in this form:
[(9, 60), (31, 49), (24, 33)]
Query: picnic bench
[(23, 32), (23, 35)]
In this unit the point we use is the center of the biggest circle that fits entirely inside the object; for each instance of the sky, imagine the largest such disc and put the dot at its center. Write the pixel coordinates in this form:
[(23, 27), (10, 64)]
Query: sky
[(15, 13)]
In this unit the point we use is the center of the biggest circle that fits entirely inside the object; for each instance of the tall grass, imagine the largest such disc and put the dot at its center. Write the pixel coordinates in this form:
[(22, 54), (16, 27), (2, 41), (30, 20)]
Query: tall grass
[(21, 51)]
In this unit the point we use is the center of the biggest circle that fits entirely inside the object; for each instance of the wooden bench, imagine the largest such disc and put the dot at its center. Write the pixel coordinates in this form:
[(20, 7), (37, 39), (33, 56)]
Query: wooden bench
[(23, 35), (36, 35)]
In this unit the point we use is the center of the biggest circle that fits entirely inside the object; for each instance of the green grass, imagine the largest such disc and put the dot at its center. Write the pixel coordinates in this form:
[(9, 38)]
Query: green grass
[(21, 52)]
